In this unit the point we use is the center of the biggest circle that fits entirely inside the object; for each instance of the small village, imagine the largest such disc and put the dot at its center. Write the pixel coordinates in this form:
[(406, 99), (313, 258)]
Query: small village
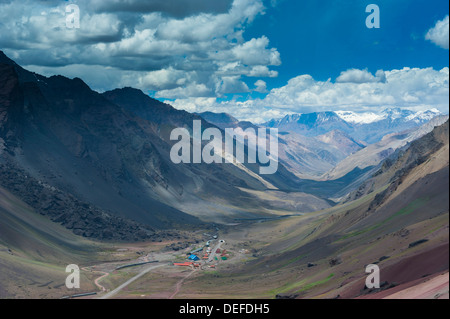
[(207, 256)]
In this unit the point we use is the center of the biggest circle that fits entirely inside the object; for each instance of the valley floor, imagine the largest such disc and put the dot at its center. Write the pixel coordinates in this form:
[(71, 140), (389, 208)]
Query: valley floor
[(266, 260), (321, 255)]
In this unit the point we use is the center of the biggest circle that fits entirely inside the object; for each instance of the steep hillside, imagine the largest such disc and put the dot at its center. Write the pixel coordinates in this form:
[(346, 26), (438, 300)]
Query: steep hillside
[(406, 217), (111, 152), (341, 141), (66, 135), (431, 148), (374, 154), (311, 157), (217, 180), (306, 157), (63, 208), (405, 231), (34, 252)]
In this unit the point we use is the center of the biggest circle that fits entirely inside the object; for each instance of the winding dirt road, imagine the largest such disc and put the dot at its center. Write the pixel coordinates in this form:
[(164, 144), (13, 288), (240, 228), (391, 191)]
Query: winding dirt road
[(96, 281), (179, 284)]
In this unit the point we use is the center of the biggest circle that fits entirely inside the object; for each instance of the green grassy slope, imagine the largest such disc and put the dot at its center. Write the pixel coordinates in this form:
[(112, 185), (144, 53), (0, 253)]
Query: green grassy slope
[(34, 252)]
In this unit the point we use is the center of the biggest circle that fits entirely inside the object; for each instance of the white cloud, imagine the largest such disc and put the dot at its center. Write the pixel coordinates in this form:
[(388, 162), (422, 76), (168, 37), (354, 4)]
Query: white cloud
[(413, 88), (439, 33), (407, 87), (262, 71), (241, 110), (39, 26), (196, 53), (261, 86), (190, 90), (361, 76), (163, 79), (255, 52), (184, 47), (226, 68), (230, 84), (198, 104)]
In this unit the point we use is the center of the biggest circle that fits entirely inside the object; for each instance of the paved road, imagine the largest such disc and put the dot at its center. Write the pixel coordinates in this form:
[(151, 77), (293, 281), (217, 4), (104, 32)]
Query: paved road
[(213, 253), (129, 281)]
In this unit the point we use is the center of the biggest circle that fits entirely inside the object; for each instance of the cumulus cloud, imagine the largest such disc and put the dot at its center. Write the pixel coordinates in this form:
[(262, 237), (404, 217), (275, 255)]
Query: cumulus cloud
[(261, 86), (255, 52), (39, 26), (361, 76), (412, 88), (186, 47), (164, 79), (439, 33), (194, 51), (230, 84), (407, 87), (246, 110), (190, 90)]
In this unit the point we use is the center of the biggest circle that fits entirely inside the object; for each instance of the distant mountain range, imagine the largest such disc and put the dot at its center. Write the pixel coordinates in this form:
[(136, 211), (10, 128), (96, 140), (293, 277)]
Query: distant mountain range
[(329, 145), (375, 153), (304, 156), (366, 127), (351, 190)]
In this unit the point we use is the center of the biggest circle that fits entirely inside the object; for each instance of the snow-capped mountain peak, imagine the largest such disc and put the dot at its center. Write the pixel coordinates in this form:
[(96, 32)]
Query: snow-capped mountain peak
[(368, 127), (423, 116), (396, 113), (391, 114), (359, 118), (291, 118)]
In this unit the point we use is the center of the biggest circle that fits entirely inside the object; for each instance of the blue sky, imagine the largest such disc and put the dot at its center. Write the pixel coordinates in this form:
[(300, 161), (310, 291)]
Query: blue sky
[(323, 38), (254, 59)]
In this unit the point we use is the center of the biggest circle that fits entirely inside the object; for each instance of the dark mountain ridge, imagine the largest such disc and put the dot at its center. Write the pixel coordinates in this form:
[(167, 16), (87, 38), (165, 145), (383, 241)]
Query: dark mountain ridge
[(112, 151), (62, 133)]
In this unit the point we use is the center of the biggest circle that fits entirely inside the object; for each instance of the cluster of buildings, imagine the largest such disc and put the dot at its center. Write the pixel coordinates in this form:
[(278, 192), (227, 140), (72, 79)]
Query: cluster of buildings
[(194, 261)]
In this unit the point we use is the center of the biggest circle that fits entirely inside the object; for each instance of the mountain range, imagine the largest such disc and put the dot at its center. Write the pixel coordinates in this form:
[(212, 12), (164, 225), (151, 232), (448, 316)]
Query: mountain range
[(329, 145), (366, 127), (84, 175), (111, 151)]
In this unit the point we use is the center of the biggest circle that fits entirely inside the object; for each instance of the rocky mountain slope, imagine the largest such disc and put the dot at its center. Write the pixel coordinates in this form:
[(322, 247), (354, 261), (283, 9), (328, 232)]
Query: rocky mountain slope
[(398, 221), (111, 152), (375, 153), (305, 156), (421, 157)]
